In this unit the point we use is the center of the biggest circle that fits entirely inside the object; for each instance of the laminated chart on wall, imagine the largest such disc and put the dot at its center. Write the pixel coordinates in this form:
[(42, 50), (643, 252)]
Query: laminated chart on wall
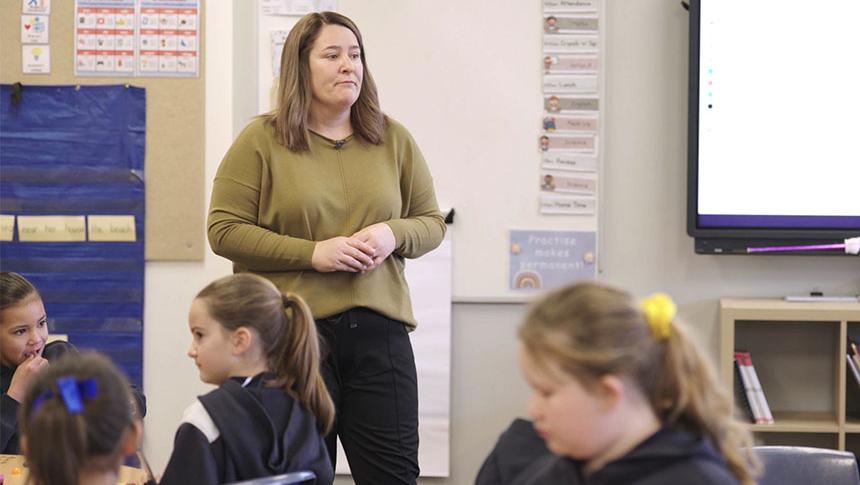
[(568, 141), (72, 205), (137, 38)]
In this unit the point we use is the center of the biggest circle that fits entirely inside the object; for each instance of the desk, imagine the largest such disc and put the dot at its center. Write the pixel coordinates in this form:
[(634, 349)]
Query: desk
[(10, 463)]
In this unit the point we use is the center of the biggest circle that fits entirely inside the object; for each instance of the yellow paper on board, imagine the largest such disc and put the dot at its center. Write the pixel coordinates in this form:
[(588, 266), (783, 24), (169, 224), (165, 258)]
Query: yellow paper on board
[(52, 229), (111, 229)]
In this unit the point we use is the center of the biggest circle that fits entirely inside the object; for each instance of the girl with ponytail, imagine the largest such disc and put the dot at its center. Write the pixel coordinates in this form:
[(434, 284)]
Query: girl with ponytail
[(76, 423), (621, 395), (271, 408)]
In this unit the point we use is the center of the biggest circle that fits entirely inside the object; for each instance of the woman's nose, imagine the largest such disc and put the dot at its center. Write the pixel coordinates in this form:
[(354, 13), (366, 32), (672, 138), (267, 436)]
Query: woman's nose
[(346, 65)]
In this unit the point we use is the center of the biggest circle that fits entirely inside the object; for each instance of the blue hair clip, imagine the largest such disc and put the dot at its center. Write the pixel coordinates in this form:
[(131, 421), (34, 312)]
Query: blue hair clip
[(72, 392)]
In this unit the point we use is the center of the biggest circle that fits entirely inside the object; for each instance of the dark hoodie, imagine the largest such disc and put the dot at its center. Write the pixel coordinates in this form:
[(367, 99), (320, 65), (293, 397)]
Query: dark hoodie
[(238, 433), (9, 406), (666, 457)]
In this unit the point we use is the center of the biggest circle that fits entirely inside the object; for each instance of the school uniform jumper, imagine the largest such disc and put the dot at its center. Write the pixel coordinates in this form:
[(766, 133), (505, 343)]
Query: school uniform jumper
[(9, 407), (244, 430), (667, 457), (269, 208)]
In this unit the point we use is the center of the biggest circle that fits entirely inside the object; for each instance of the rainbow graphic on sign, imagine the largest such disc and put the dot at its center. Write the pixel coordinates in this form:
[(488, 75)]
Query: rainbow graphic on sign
[(550, 259)]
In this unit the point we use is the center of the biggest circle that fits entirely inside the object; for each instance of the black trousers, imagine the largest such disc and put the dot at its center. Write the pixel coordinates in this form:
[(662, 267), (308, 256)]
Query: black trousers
[(369, 369)]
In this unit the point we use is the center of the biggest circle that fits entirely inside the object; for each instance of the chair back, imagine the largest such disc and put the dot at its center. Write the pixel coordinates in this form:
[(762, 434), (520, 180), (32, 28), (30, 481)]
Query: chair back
[(789, 465), (304, 477)]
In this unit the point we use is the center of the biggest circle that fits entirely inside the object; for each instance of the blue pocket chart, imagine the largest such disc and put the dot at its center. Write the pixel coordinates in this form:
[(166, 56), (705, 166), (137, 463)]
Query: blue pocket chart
[(76, 152)]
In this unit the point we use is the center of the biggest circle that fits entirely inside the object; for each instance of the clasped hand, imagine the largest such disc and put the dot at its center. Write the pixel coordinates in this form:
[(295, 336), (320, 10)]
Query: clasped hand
[(363, 251)]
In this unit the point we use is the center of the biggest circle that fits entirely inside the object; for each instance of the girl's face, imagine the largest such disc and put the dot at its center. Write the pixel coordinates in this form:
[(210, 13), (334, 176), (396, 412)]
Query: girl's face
[(23, 331), (211, 347), (573, 421), (335, 68)]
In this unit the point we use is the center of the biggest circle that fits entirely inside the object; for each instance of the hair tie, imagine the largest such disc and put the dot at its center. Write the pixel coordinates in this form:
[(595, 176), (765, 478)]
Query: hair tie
[(71, 391), (659, 310)]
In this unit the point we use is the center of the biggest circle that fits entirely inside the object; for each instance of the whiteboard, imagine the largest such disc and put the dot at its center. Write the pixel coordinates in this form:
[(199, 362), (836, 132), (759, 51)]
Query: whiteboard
[(465, 77)]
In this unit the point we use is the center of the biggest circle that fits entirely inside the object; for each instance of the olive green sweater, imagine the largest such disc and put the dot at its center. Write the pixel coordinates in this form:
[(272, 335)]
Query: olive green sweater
[(270, 205)]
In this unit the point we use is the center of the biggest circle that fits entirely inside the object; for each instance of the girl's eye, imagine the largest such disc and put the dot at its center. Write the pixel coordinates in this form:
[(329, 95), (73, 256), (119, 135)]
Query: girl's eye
[(356, 56), (19, 332), (43, 323)]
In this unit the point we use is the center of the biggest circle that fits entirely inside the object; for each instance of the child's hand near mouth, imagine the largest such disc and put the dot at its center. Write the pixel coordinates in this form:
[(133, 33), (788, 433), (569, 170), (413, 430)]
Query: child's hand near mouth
[(25, 372)]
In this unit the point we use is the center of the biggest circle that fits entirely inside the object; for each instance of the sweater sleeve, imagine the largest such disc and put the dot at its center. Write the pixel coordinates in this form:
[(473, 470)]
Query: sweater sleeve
[(8, 425), (421, 227), (233, 225), (191, 460)]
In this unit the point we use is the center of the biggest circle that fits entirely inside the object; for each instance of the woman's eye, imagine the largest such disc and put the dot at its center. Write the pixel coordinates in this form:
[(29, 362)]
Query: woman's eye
[(19, 332)]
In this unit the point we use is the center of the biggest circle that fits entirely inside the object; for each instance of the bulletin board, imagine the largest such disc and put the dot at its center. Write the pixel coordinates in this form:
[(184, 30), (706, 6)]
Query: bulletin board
[(72, 182), (174, 163)]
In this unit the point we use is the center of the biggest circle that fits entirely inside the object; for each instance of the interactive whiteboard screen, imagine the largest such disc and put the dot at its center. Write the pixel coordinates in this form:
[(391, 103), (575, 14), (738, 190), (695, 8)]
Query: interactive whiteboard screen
[(778, 106)]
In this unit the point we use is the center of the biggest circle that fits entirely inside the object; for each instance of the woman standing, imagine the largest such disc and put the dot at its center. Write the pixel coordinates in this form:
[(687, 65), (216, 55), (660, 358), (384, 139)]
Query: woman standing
[(326, 196)]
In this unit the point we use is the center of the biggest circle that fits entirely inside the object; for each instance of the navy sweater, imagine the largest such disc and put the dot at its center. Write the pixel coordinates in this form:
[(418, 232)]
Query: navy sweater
[(245, 430), (667, 457)]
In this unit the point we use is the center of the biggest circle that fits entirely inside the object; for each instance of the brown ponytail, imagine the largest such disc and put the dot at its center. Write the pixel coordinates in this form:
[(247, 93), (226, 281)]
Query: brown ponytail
[(689, 395), (60, 445), (591, 330), (298, 366), (288, 336)]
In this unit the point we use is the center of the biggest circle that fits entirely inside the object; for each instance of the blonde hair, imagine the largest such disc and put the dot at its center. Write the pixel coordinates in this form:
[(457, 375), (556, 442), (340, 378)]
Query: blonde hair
[(590, 330), (287, 331), (290, 117), (61, 444)]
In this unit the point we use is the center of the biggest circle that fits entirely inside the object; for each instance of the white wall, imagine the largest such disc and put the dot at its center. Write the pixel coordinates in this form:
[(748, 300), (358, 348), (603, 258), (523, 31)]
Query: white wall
[(170, 378), (644, 247)]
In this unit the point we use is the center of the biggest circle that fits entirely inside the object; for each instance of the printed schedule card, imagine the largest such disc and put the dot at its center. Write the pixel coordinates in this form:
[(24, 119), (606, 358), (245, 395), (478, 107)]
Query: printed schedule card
[(137, 38)]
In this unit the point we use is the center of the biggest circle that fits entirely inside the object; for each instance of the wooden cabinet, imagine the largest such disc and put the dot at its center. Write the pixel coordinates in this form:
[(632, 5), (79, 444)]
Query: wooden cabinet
[(799, 353)]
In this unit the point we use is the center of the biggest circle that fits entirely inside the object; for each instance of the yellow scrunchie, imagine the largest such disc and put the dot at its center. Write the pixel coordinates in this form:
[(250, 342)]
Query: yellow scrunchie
[(659, 310)]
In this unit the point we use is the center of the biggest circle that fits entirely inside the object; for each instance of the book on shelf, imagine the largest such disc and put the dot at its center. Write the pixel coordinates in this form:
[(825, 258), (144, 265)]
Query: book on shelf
[(745, 405), (852, 350), (853, 360), (752, 386), (853, 366)]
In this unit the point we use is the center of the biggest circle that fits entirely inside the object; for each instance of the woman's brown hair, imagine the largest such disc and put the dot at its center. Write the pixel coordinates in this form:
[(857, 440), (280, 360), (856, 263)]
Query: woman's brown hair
[(290, 117), (61, 444), (591, 330), (288, 336), (14, 289)]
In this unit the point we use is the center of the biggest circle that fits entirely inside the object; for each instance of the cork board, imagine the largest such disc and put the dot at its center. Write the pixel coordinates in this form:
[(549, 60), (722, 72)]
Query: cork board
[(174, 164)]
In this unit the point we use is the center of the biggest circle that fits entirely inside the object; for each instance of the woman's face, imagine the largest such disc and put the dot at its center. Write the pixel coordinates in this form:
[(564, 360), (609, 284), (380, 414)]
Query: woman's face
[(335, 68), (23, 331)]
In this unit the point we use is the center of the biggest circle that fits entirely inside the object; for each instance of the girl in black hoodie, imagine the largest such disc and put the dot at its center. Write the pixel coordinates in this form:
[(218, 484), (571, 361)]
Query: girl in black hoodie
[(621, 396), (271, 408)]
